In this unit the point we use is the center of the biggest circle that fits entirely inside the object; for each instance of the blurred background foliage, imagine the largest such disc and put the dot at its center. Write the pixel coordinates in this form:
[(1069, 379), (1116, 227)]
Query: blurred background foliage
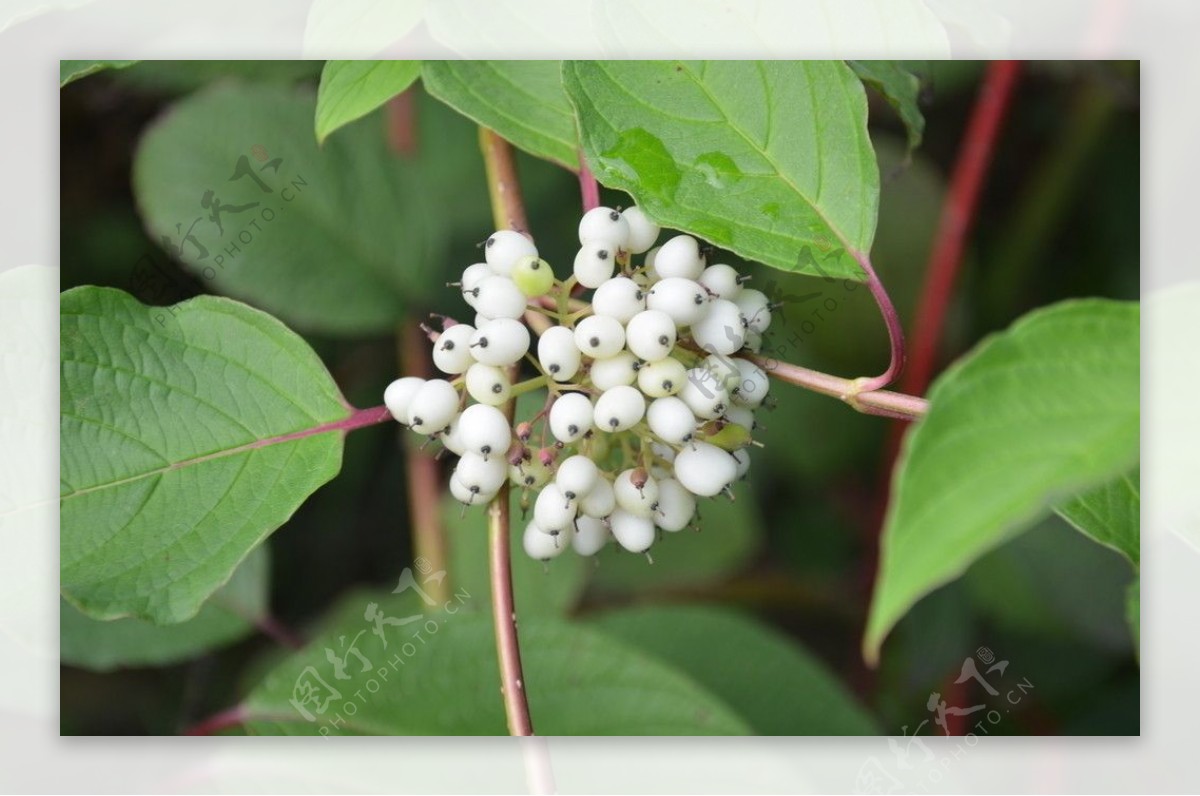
[(1059, 217)]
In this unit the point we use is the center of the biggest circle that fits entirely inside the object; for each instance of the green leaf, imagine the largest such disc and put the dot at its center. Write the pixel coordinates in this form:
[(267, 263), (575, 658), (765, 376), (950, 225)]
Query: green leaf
[(338, 239), (351, 89), (188, 434), (1133, 612), (231, 613), (523, 101), (70, 71), (730, 535), (901, 89), (769, 159), (768, 679), (1110, 514), (551, 589), (439, 676), (1047, 408)]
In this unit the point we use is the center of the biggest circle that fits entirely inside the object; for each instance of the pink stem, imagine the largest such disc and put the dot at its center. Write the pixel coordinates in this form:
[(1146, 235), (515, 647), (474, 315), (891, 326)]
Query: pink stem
[(894, 326), (589, 189)]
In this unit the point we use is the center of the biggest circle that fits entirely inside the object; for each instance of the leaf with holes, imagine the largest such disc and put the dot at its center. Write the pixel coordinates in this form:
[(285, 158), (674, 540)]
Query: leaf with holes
[(231, 613), (350, 90), (769, 159), (436, 674), (188, 434), (523, 101), (902, 90), (1034, 414), (1110, 514)]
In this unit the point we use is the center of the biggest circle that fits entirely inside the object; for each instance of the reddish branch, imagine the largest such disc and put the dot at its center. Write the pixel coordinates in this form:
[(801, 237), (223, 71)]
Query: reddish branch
[(958, 213), (508, 212), (589, 189)]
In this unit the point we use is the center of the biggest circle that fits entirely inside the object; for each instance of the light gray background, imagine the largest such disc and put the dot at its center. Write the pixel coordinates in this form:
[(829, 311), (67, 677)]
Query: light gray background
[(35, 35)]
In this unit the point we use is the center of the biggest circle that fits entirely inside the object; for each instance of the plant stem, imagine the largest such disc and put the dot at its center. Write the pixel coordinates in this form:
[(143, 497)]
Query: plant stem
[(589, 189), (958, 213), (507, 212), (504, 191), (424, 481), (894, 327), (884, 403)]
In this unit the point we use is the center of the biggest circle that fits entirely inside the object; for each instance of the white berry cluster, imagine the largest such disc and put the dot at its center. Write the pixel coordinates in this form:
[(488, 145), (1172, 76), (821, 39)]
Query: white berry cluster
[(641, 422)]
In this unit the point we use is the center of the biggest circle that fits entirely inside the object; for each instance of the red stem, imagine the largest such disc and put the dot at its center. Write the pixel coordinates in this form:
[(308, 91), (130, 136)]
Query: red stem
[(231, 717), (894, 327), (589, 189), (958, 213), (279, 633)]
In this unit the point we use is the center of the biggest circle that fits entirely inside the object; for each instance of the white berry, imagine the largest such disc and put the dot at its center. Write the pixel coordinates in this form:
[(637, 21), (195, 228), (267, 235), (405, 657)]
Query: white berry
[(498, 297), (755, 308), (558, 354), (651, 335), (590, 536), (601, 501), (671, 420), (570, 417), (540, 545), (483, 476), (614, 371), (472, 275), (433, 406), (595, 263), (553, 511), (488, 384), (451, 351), (661, 378), (484, 430), (704, 394), (577, 476), (599, 336), (642, 231), (676, 505), (752, 384), (499, 342), (504, 248), (684, 300), (721, 280), (680, 256), (620, 298), (606, 225), (721, 330), (634, 533), (705, 469), (636, 492), (619, 409), (399, 394)]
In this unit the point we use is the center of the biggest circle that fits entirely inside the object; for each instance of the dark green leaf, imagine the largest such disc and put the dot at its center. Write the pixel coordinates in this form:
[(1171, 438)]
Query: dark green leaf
[(182, 77), (188, 434), (1047, 408), (1110, 514), (439, 676), (337, 239), (767, 678), (523, 101), (1133, 612), (70, 71), (351, 89), (902, 90), (769, 159), (730, 533), (229, 614)]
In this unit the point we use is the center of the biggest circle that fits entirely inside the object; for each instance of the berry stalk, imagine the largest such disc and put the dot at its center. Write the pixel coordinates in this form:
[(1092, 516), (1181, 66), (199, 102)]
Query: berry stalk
[(508, 212)]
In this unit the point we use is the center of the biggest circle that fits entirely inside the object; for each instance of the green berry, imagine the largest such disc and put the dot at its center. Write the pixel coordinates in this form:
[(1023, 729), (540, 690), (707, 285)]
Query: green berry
[(533, 276)]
